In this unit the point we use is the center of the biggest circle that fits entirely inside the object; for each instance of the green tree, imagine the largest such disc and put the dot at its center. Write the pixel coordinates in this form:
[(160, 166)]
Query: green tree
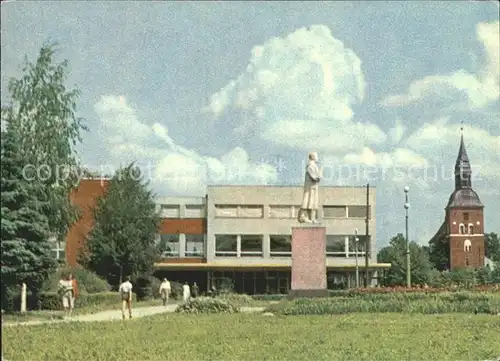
[(439, 252), (492, 246), (395, 254), (43, 112), (26, 251), (123, 240)]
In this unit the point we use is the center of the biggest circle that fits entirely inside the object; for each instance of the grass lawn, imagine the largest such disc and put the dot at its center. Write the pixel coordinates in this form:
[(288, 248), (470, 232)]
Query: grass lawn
[(176, 337)]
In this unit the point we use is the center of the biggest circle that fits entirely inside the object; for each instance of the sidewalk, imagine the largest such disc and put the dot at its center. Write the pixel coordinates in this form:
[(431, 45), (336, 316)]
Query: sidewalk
[(115, 315)]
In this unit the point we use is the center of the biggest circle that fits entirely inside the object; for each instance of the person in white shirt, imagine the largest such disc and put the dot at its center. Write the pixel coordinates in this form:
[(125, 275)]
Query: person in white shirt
[(125, 291), (186, 292), (66, 292), (165, 291)]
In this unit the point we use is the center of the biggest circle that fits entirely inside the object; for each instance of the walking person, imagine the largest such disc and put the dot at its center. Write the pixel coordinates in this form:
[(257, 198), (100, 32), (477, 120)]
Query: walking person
[(125, 291), (186, 292), (67, 294), (194, 290), (165, 290)]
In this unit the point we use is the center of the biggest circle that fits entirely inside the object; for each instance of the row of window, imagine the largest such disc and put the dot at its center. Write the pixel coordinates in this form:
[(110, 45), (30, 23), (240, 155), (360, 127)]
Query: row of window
[(281, 245), (286, 211), (169, 245), (462, 229), (226, 245), (257, 211), (190, 211)]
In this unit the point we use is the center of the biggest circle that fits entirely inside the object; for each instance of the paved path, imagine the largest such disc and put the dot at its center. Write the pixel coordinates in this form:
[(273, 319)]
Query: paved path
[(115, 315)]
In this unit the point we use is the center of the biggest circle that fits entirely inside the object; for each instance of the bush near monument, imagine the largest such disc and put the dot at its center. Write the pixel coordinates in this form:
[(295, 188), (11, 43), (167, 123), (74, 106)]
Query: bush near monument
[(419, 302), (174, 337), (88, 281), (205, 305)]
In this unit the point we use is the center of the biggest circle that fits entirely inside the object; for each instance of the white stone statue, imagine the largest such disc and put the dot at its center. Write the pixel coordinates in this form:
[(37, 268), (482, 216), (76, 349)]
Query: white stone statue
[(310, 200)]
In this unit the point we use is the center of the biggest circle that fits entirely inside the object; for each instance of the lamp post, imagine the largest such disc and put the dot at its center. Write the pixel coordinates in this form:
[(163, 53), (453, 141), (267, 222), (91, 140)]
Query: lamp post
[(408, 266), (356, 240)]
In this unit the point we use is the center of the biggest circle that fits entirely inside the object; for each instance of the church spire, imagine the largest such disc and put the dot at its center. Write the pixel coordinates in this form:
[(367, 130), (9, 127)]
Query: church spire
[(463, 170)]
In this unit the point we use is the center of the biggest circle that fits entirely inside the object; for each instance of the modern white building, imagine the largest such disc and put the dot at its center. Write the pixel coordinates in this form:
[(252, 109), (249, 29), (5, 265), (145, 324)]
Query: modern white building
[(246, 234)]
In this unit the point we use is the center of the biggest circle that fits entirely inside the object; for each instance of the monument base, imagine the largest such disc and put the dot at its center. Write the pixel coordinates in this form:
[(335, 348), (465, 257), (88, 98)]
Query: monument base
[(309, 261), (307, 293)]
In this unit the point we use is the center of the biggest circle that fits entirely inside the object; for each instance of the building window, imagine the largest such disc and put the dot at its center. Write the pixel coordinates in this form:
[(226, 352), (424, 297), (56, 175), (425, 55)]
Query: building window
[(279, 211), (58, 250), (238, 211), (335, 246), (195, 211), (281, 245), (334, 212), (461, 229), (358, 212), (195, 245), (361, 245), (471, 228), (226, 245), (168, 245), (467, 261), (170, 211), (466, 216), (467, 245), (226, 211), (250, 211), (251, 245)]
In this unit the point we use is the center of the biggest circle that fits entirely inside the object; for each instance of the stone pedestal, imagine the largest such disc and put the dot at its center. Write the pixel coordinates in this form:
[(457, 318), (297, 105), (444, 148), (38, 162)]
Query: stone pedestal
[(309, 261)]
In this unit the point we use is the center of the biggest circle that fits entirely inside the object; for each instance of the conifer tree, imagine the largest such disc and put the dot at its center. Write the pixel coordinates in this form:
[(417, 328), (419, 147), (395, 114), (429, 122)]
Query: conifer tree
[(26, 250)]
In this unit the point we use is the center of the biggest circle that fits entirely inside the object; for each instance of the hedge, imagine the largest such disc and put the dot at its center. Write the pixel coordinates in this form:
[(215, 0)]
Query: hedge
[(495, 288), (424, 303), (52, 300), (204, 305)]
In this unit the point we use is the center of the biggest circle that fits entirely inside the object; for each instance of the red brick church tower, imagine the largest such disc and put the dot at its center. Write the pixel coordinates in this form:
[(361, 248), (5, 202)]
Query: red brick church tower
[(463, 228)]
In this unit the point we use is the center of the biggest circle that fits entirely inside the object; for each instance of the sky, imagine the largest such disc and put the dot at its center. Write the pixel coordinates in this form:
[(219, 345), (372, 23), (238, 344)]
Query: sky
[(204, 93)]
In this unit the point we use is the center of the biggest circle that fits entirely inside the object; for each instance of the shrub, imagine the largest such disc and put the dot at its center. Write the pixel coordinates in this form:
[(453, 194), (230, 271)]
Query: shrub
[(146, 287), (52, 300), (236, 298), (176, 290), (204, 305), (462, 302), (275, 297), (88, 282)]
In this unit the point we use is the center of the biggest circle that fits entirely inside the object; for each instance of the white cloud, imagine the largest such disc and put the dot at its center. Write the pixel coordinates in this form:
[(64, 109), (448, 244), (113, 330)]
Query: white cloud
[(461, 88), (299, 89), (171, 167)]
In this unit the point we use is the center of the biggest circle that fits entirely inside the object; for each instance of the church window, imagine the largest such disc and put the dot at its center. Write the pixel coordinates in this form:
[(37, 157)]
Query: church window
[(467, 245), (461, 228), (471, 228)]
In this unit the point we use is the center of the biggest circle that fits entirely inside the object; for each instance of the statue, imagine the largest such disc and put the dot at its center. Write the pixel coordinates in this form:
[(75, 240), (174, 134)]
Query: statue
[(310, 200)]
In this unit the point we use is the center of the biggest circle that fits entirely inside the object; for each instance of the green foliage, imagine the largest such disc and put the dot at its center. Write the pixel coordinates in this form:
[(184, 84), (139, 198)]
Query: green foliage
[(374, 337), (236, 298), (176, 290), (26, 251), (52, 301), (395, 254), (88, 281), (492, 247), (270, 297), (146, 287), (439, 252), (122, 241), (203, 305), (224, 285), (43, 112), (424, 303)]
